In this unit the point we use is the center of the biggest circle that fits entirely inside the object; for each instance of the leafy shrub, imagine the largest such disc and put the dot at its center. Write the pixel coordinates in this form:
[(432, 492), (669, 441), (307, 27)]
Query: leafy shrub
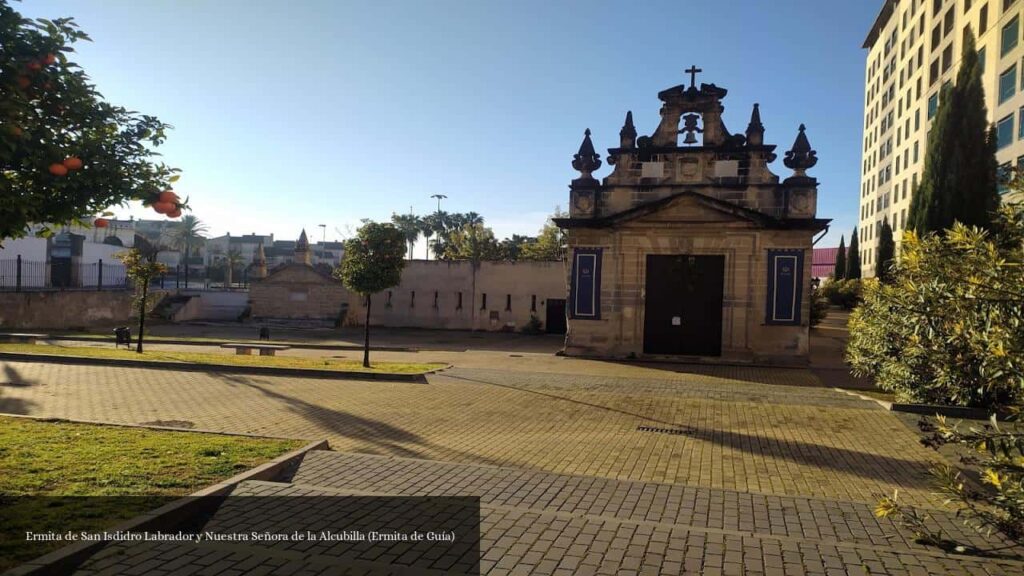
[(533, 326), (819, 306), (845, 293), (949, 327), (996, 505)]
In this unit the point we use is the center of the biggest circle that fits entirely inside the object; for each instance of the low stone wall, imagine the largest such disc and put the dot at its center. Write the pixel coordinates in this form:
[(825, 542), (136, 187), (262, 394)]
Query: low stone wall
[(65, 309)]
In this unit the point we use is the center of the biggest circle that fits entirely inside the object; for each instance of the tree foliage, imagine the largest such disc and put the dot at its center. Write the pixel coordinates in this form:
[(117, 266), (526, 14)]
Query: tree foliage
[(886, 252), (840, 270), (959, 182), (373, 261), (473, 242), (997, 450), (141, 267), (948, 328), (550, 243), (411, 226), (853, 258), (65, 153)]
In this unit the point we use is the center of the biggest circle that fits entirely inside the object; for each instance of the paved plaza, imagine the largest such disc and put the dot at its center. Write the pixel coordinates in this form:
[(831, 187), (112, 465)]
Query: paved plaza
[(582, 466)]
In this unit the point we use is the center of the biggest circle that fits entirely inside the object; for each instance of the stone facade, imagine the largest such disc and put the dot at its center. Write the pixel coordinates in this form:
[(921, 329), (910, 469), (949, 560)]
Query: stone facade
[(459, 295), (691, 249), (296, 291)]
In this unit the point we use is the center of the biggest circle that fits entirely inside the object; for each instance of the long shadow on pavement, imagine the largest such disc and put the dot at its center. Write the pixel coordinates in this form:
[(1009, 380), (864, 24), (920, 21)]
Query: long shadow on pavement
[(13, 379)]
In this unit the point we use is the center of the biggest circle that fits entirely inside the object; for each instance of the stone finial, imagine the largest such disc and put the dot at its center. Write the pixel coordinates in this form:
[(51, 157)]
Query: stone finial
[(800, 157), (259, 262), (302, 255), (627, 136), (587, 160), (755, 130)]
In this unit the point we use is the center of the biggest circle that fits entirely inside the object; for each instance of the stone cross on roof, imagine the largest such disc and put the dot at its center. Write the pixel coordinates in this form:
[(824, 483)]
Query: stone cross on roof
[(692, 71)]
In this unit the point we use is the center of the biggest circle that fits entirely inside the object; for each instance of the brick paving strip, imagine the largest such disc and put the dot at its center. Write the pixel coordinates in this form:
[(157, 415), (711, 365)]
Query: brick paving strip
[(540, 523)]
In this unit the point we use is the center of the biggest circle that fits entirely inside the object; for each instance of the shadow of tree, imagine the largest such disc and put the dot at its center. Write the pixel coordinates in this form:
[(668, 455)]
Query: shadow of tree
[(12, 378), (911, 473), (381, 436)]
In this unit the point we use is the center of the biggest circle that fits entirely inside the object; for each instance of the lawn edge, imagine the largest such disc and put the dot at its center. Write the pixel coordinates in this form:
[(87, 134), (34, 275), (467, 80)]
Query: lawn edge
[(418, 377), (59, 420), (4, 336), (65, 559)]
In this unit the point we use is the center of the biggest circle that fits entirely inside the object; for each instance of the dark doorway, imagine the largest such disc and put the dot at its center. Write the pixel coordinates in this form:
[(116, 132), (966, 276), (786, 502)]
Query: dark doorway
[(683, 307), (555, 323)]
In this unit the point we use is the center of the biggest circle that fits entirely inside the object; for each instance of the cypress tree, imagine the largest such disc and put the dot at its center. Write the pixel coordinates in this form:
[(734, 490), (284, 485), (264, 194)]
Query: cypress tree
[(840, 272), (959, 181), (853, 262), (886, 252)]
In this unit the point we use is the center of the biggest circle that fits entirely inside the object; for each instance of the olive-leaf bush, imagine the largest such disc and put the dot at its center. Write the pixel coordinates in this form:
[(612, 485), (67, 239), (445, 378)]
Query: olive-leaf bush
[(996, 505), (949, 326)]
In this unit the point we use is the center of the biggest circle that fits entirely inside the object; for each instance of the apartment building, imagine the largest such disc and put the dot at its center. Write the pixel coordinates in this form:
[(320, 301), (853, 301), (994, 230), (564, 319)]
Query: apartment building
[(914, 49)]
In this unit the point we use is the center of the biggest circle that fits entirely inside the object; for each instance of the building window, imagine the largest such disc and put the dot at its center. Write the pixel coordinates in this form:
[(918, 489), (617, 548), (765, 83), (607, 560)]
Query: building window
[(983, 20), (936, 37), (947, 57), (1011, 33), (1003, 176), (915, 153), (483, 301), (948, 21), (1004, 132), (1020, 124), (1008, 84), (967, 6), (933, 105), (1007, 4), (981, 60)]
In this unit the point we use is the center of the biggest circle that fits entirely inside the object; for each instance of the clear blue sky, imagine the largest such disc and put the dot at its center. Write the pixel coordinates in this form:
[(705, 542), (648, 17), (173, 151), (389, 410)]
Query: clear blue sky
[(293, 114)]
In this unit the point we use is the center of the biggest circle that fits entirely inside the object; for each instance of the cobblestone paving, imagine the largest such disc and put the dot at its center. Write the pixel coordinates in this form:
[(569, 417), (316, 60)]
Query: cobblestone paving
[(752, 470)]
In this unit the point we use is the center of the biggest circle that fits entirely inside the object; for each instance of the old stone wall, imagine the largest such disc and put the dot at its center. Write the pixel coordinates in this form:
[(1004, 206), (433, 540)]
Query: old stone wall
[(297, 292), (65, 309), (457, 295)]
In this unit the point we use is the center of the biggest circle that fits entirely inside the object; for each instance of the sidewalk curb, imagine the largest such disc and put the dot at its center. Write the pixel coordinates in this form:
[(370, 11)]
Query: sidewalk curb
[(68, 558), (420, 378), (183, 342), (59, 420)]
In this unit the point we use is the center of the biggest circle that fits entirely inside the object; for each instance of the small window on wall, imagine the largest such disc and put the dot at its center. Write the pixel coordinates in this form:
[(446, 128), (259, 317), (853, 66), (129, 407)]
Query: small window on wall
[(1003, 176), (1004, 132), (981, 60), (983, 20), (785, 287), (483, 301), (412, 299), (435, 299), (1011, 34), (508, 302), (533, 303), (933, 105), (458, 301), (1008, 84)]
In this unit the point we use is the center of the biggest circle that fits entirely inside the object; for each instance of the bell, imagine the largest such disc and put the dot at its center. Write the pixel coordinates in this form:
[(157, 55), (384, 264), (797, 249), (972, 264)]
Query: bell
[(691, 138)]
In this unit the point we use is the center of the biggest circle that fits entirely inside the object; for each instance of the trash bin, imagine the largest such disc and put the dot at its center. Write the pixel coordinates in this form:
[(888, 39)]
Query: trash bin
[(122, 335), (264, 333)]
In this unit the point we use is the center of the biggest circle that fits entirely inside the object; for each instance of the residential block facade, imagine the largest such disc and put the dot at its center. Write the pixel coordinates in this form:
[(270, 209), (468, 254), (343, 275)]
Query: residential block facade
[(914, 49)]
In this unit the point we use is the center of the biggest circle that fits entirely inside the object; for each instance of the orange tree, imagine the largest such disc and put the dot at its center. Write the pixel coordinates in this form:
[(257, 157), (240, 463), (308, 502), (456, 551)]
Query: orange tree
[(66, 153)]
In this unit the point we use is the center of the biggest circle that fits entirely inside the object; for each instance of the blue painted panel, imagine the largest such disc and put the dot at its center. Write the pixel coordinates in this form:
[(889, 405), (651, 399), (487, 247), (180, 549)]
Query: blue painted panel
[(585, 287), (785, 286)]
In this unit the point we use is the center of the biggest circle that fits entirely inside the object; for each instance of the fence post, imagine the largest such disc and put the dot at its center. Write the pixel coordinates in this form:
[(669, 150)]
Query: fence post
[(162, 281), (99, 274), (177, 276), (17, 275)]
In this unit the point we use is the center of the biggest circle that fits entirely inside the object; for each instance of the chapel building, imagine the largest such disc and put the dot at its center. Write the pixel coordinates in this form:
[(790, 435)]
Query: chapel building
[(692, 249)]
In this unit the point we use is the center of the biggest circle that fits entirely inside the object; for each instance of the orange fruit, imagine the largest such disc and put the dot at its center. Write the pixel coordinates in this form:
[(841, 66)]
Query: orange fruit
[(163, 207), (176, 213), (49, 59), (58, 169), (16, 131), (169, 196), (24, 82), (101, 222), (34, 66), (72, 163)]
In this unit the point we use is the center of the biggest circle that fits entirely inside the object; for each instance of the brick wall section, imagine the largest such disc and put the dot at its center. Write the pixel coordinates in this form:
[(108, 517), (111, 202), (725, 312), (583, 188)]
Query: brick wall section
[(296, 291)]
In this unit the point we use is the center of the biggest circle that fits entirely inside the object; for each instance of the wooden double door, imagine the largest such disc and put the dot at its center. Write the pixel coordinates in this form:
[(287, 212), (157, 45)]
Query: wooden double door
[(683, 305)]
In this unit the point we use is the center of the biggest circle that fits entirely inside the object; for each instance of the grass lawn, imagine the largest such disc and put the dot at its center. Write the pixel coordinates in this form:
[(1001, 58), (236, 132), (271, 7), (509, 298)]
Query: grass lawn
[(227, 359), (123, 471)]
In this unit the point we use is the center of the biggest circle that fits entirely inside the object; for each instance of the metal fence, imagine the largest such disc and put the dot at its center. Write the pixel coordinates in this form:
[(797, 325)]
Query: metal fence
[(18, 275)]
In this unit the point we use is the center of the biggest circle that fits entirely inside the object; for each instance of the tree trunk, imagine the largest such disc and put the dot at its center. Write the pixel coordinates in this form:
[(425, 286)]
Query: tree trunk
[(142, 315), (366, 335), (227, 278), (188, 248)]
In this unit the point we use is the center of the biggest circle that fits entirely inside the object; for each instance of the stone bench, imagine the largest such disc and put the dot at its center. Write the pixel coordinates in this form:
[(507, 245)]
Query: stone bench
[(246, 349), (22, 338)]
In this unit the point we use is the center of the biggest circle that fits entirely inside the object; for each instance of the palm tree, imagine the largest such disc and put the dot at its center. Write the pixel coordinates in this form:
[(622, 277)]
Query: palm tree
[(410, 225), (231, 261), (437, 224), (186, 235)]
